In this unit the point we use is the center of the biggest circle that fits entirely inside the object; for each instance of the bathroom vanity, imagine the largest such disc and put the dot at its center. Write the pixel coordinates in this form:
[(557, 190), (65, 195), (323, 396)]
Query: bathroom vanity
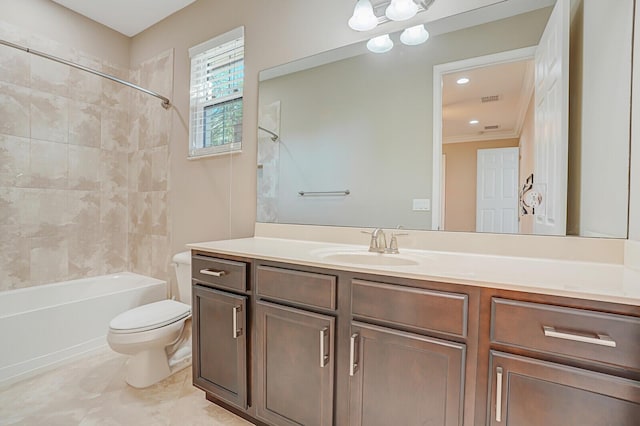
[(293, 332)]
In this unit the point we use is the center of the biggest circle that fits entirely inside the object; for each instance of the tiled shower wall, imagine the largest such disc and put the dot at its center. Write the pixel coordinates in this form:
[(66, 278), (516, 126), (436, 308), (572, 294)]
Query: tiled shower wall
[(68, 149), (150, 131)]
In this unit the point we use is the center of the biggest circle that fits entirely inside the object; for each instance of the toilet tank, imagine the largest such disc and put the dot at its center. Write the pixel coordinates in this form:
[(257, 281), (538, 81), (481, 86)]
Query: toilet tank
[(182, 266)]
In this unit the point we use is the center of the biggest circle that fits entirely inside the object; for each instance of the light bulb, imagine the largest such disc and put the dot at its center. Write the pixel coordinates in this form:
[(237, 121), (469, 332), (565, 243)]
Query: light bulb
[(401, 10), (463, 80), (363, 18), (380, 44), (414, 35), (474, 122)]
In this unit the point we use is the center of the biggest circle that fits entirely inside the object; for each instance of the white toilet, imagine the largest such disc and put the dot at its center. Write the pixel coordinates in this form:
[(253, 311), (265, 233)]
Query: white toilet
[(156, 335)]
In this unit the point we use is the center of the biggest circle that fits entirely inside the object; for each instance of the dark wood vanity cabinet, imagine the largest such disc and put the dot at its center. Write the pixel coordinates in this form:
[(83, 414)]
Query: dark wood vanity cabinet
[(220, 344), (220, 332), (285, 344), (295, 366), (530, 392), (406, 377), (400, 378), (552, 365), (295, 346)]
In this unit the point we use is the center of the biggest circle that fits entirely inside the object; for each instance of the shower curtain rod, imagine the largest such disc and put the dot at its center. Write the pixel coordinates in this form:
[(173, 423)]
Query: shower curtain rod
[(166, 103)]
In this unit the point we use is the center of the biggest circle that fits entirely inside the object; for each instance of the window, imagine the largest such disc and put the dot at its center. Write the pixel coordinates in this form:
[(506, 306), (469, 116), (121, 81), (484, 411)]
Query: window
[(217, 79)]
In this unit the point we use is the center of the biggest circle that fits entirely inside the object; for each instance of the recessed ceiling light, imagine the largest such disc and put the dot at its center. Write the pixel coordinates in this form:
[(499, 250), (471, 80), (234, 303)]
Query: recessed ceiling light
[(474, 122), (463, 80)]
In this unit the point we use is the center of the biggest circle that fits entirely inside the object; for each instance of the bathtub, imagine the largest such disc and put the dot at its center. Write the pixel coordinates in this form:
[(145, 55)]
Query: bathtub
[(47, 325)]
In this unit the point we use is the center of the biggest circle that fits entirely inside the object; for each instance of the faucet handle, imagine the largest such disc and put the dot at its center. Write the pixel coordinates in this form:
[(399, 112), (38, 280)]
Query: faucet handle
[(378, 242), (393, 244)]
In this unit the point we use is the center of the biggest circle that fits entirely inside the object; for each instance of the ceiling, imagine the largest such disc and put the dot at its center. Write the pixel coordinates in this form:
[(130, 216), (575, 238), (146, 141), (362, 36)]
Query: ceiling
[(128, 17), (510, 82)]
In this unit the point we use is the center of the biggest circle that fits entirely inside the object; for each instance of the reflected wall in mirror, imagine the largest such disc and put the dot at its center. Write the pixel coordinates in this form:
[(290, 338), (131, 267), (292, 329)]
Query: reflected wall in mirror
[(352, 121)]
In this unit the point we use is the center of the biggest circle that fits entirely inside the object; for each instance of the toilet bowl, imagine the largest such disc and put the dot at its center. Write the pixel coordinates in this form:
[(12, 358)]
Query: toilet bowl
[(156, 336)]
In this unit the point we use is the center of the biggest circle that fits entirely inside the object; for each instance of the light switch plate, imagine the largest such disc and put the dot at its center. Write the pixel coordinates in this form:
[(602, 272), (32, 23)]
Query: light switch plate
[(421, 204)]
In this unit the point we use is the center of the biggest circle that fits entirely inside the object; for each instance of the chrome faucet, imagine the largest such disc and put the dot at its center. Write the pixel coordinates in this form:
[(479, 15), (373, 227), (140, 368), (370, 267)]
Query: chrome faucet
[(378, 242)]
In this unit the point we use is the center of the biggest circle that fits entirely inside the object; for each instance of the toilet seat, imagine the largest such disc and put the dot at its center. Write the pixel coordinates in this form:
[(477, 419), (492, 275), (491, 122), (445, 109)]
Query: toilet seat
[(149, 317)]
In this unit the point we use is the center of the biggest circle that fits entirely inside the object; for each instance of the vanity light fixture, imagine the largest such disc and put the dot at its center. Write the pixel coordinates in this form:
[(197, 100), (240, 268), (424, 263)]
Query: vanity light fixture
[(463, 80), (474, 122), (380, 44), (363, 18), (414, 35), (367, 14), (401, 10)]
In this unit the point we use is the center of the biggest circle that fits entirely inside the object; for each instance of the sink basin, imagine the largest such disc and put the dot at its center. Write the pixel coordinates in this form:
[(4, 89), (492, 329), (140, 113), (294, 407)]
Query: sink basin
[(368, 258)]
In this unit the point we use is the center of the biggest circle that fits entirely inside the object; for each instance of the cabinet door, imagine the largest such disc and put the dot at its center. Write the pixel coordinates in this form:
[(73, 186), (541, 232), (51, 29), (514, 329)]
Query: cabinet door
[(295, 365), (220, 344), (400, 378), (529, 392)]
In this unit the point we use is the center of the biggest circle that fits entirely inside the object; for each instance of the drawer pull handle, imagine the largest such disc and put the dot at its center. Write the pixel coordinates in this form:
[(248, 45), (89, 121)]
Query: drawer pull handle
[(602, 339), (213, 273), (237, 332), (324, 358), (498, 394), (353, 365)]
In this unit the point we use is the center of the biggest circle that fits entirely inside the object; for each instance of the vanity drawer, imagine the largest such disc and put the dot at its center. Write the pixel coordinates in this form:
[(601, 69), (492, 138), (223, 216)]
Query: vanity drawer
[(219, 272), (306, 288), (577, 333), (427, 310)]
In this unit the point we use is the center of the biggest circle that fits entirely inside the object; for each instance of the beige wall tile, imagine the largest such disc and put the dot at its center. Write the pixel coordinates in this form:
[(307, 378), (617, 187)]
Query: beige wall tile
[(140, 253), (159, 168), (159, 213), (49, 117), (49, 76), (86, 253), (140, 171), (84, 124), (115, 252), (49, 164), (15, 105), (14, 160), (49, 260), (14, 258), (15, 66), (113, 212), (83, 210), (84, 172), (115, 95), (113, 170), (44, 212), (160, 258), (11, 206), (114, 129), (84, 86)]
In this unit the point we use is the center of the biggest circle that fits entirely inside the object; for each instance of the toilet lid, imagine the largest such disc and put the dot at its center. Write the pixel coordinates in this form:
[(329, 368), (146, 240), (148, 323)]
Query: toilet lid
[(150, 316)]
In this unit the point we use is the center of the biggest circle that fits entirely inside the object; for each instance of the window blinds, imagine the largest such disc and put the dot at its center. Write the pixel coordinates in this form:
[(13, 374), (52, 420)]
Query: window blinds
[(217, 79)]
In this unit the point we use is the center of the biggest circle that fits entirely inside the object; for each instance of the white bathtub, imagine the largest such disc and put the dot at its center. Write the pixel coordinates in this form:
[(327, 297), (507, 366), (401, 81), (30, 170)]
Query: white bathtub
[(44, 326)]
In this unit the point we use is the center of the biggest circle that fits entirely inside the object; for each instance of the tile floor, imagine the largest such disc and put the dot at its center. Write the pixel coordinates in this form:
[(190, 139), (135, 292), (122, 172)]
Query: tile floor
[(92, 391)]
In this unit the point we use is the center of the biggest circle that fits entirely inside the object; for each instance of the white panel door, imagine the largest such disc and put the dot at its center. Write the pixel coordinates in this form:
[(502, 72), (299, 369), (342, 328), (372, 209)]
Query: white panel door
[(552, 122), (497, 190)]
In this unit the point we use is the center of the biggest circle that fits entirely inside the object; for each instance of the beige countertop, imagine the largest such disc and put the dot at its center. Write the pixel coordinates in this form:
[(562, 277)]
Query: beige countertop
[(587, 280)]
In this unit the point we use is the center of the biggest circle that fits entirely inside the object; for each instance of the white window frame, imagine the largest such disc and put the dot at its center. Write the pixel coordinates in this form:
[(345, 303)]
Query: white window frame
[(197, 107)]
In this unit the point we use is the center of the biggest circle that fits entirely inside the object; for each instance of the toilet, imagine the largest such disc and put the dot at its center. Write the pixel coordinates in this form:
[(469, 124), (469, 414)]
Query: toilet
[(157, 336)]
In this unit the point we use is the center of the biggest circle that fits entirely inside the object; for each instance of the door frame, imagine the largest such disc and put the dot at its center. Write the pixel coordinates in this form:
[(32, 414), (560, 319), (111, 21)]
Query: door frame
[(525, 53)]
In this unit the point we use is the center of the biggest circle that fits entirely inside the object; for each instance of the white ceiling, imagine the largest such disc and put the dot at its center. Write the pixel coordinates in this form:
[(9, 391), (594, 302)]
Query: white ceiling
[(128, 17), (462, 103)]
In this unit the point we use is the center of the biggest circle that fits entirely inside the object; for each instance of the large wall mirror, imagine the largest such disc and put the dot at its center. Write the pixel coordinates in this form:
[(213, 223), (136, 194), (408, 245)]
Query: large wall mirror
[(511, 118)]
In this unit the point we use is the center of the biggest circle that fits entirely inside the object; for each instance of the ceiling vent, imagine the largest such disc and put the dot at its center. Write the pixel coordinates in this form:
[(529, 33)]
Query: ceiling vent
[(493, 127), (492, 98)]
